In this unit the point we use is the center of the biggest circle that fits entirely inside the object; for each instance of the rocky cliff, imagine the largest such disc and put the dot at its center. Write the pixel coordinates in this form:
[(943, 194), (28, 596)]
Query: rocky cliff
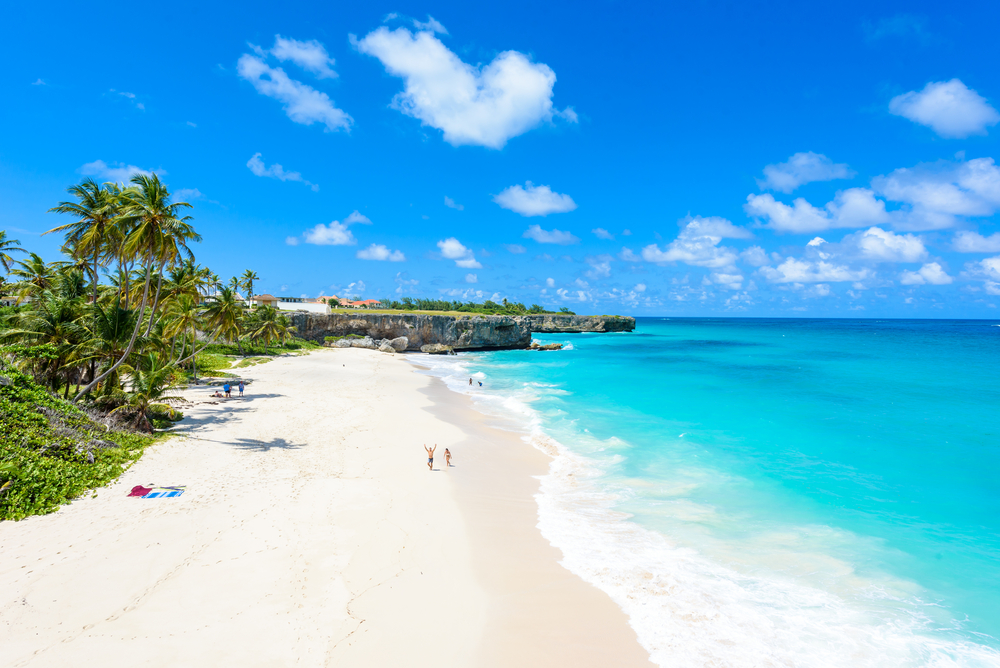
[(575, 324), (464, 332)]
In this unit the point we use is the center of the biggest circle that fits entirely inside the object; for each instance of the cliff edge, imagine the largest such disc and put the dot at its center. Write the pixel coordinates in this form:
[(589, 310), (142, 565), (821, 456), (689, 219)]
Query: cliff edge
[(462, 332)]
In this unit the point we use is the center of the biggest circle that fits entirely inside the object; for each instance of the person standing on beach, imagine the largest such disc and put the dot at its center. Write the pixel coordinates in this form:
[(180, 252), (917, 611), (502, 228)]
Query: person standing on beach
[(227, 388), (447, 458), (470, 381), (430, 456), (241, 387)]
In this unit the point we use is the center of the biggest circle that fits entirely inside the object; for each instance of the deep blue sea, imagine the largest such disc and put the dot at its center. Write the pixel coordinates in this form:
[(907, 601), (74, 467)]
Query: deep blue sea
[(758, 492)]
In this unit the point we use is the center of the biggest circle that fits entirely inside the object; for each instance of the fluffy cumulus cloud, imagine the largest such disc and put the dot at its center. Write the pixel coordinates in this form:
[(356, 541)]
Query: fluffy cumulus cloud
[(310, 56), (335, 234), (602, 233), (854, 207), (967, 241), (698, 244), (453, 249), (935, 196), (276, 171), (482, 106), (755, 256), (883, 246), (116, 171), (929, 273), (380, 252), (532, 200), (600, 267), (794, 270), (950, 108), (451, 204), (800, 169), (552, 236), (302, 103)]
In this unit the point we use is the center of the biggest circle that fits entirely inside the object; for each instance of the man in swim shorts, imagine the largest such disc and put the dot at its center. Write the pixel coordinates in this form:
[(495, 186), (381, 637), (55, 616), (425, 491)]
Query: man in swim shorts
[(430, 456)]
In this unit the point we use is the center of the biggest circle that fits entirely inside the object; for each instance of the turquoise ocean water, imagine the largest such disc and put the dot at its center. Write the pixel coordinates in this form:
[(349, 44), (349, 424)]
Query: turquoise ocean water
[(772, 492)]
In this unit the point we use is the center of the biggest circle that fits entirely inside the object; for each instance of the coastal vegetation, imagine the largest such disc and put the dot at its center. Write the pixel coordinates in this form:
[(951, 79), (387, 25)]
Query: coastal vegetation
[(488, 307), (91, 345)]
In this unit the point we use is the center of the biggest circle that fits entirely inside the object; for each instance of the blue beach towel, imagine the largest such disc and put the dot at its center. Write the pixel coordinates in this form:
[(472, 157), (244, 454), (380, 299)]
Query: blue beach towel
[(165, 492)]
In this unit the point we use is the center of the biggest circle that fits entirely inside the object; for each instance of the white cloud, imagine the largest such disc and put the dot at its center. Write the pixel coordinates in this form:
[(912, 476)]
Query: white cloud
[(292, 241), (550, 282), (938, 194), (450, 203), (602, 233), (334, 234), (755, 256), (532, 200), (639, 287), (800, 169), (793, 270), (483, 106), (276, 171), (357, 217), (310, 56), (628, 256), (302, 104), (884, 246), (950, 108), (380, 252), (967, 241), (430, 25), (854, 207), (600, 267), (39, 82), (471, 278), (550, 236), (187, 195), (698, 244), (452, 249), (730, 281), (118, 172), (929, 273), (516, 249)]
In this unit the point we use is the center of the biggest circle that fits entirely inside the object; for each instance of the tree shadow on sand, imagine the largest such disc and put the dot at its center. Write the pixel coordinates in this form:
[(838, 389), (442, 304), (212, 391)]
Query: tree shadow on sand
[(264, 446)]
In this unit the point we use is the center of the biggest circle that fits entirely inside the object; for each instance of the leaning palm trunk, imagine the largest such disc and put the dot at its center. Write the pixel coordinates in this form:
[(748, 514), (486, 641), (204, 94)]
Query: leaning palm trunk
[(128, 350)]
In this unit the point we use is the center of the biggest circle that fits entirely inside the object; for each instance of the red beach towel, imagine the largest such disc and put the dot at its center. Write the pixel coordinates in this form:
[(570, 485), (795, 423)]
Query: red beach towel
[(139, 490)]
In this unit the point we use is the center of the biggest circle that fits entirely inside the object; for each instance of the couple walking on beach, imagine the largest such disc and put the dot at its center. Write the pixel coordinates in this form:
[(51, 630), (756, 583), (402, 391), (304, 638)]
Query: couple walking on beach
[(430, 457)]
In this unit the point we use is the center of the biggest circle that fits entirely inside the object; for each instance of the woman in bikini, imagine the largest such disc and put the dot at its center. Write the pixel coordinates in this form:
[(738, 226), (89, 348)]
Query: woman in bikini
[(447, 458)]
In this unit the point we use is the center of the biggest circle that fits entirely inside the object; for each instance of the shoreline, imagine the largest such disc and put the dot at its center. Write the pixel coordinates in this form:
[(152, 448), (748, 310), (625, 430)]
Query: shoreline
[(310, 531), (527, 583)]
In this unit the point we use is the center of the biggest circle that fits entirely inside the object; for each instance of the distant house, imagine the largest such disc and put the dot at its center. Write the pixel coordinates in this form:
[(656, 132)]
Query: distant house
[(266, 300), (328, 299), (366, 303)]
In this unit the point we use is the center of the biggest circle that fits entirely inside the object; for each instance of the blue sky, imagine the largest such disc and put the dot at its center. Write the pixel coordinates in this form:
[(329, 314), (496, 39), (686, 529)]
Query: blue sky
[(697, 159)]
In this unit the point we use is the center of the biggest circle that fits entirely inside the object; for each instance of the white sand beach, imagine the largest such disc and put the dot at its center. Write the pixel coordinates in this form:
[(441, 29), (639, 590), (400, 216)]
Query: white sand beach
[(310, 533)]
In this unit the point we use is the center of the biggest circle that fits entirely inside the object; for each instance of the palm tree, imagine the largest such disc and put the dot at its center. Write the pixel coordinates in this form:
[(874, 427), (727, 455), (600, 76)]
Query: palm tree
[(112, 331), (186, 317), (35, 276), (158, 237), (149, 380), (248, 277), (225, 314), (97, 209), (8, 246), (55, 318), (269, 326)]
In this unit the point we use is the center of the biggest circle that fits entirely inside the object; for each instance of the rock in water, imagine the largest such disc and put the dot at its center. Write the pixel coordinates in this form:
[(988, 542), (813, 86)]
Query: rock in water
[(535, 345), (437, 349)]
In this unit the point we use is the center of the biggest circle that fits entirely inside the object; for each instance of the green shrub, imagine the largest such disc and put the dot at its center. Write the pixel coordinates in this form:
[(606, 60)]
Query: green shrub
[(51, 451)]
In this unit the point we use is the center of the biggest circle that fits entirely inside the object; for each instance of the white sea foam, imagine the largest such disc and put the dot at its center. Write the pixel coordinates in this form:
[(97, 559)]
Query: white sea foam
[(690, 610)]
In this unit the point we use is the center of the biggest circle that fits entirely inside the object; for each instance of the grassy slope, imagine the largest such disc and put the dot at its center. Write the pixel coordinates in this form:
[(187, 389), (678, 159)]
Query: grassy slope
[(44, 448)]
